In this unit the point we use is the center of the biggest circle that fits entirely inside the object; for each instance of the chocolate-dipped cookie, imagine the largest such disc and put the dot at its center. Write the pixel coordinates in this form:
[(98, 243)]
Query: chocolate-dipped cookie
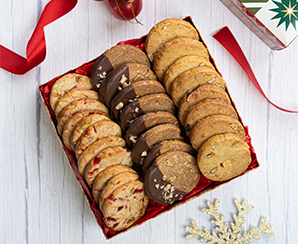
[(198, 95), (163, 147), (206, 108), (76, 106), (113, 58), (135, 90), (145, 122), (223, 156), (171, 176), (146, 104), (151, 137), (165, 31), (175, 49), (122, 77), (189, 80)]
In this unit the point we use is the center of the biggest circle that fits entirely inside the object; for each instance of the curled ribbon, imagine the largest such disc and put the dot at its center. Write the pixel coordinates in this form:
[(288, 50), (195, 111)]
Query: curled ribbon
[(36, 47), (228, 41)]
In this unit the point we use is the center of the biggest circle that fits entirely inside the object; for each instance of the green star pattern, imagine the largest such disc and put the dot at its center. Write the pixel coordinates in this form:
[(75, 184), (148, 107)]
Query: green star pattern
[(286, 12)]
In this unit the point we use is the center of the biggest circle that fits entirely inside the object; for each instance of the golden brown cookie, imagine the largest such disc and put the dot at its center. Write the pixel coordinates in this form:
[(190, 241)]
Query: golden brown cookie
[(166, 31), (171, 176), (189, 80), (68, 83), (212, 125), (175, 49), (103, 176), (199, 94), (183, 64), (206, 108), (91, 151), (223, 156)]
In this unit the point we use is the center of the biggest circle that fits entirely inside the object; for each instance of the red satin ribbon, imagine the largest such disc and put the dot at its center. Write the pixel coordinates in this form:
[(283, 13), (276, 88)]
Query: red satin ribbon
[(228, 41), (36, 47)]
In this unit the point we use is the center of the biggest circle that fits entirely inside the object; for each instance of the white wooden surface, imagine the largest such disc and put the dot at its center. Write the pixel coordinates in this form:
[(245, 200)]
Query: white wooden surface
[(41, 201)]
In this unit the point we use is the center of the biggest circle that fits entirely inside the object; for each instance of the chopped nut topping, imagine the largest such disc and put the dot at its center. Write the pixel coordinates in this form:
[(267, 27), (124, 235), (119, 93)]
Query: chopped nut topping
[(157, 186), (209, 155), (103, 75), (119, 106), (164, 177), (172, 179), (99, 68), (133, 139), (211, 81), (201, 64), (136, 110), (123, 79), (213, 147), (162, 187), (144, 154), (213, 170), (98, 85), (234, 126), (119, 88), (165, 27), (172, 188), (154, 180)]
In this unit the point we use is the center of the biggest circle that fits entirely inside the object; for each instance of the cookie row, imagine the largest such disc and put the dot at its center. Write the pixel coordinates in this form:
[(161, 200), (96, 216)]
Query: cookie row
[(87, 129), (147, 116), (181, 62)]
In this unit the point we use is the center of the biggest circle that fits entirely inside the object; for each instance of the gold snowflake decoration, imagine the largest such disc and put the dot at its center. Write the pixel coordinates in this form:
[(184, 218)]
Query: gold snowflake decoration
[(228, 236)]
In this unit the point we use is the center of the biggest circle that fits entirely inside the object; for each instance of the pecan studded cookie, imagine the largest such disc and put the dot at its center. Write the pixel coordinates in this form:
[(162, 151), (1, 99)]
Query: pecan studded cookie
[(175, 49), (113, 58), (166, 31), (223, 157), (171, 176), (68, 83)]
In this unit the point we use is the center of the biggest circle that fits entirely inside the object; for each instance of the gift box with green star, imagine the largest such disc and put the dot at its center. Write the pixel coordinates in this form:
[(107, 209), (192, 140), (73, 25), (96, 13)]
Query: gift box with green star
[(274, 21)]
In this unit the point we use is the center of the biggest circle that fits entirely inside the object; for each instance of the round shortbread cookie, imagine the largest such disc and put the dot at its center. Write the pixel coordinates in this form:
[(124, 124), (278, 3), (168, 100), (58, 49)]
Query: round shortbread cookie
[(145, 122), (212, 125), (68, 83), (171, 176), (122, 77), (166, 31), (183, 64), (163, 147), (72, 96), (105, 158), (82, 125), (175, 49), (146, 104), (76, 106), (102, 178), (135, 90), (91, 151), (125, 205), (151, 137), (223, 156), (206, 108), (73, 120), (95, 132), (199, 94), (115, 182), (189, 80), (113, 58)]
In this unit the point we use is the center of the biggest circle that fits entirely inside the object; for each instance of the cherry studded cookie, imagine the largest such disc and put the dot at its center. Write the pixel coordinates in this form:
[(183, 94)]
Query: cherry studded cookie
[(76, 106), (151, 137), (206, 108), (145, 122), (223, 157), (171, 176), (72, 96), (125, 205), (113, 58), (122, 77), (82, 125), (166, 31), (183, 64), (135, 90), (105, 158), (102, 178), (73, 120), (198, 95), (189, 80), (115, 182), (91, 151), (175, 49), (212, 125), (146, 104), (95, 132), (67, 83), (163, 147)]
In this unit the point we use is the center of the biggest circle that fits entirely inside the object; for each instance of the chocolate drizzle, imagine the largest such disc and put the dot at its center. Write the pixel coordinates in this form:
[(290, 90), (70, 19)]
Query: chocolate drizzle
[(100, 69)]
